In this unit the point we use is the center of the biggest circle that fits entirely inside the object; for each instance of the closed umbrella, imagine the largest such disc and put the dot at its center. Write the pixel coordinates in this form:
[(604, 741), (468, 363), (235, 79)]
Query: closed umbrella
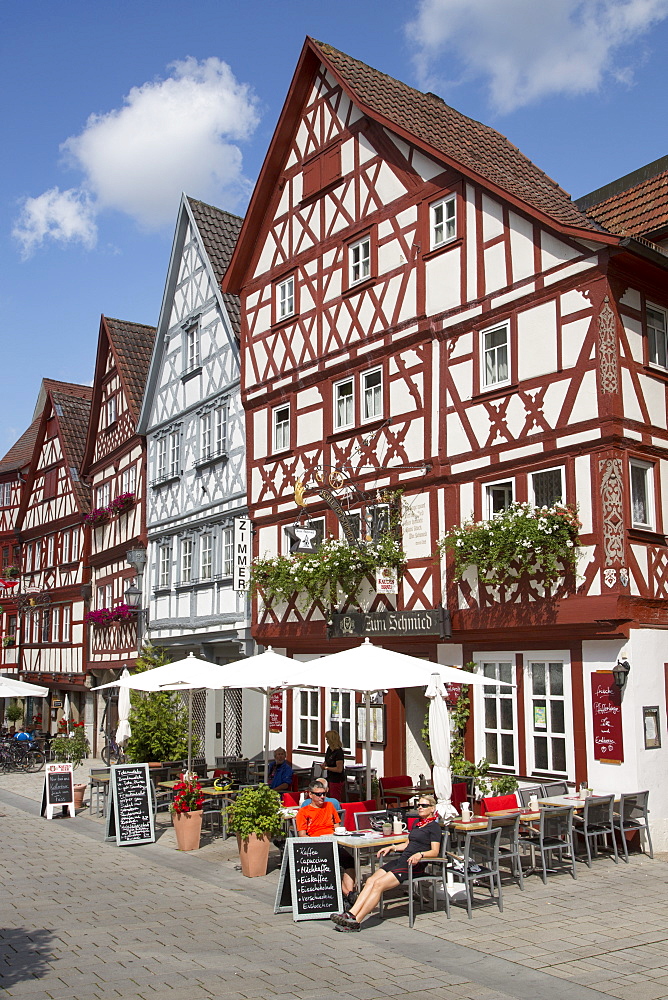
[(66, 708), (439, 741), (123, 732)]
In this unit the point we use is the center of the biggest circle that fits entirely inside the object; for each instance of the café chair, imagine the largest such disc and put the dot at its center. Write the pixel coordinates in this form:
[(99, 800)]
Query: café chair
[(437, 876), (479, 863), (552, 788), (526, 793), (632, 816), (470, 787), (597, 821), (553, 834), (509, 846)]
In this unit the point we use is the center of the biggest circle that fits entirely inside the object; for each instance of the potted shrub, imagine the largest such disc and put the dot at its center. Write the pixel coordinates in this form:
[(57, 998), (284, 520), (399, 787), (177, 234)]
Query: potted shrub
[(186, 810), (255, 816), (14, 712), (71, 746), (8, 641)]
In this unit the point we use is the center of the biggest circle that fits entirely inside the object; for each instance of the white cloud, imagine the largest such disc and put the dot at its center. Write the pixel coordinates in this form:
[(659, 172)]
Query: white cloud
[(169, 136), (529, 49)]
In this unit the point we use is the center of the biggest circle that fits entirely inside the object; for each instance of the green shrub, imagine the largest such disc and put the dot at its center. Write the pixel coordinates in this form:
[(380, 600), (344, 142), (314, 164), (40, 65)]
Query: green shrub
[(255, 810)]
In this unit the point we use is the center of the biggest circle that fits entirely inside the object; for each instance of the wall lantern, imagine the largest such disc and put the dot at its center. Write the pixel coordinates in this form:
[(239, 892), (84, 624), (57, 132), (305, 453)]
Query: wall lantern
[(620, 672), (132, 596)]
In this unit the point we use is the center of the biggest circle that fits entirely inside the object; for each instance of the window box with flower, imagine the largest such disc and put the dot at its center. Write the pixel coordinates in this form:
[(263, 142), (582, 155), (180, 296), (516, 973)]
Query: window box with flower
[(9, 641), (121, 503), (523, 540), (98, 516)]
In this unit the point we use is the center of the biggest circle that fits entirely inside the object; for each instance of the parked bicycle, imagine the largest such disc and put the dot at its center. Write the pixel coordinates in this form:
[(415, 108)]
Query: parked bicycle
[(113, 753), (21, 755)]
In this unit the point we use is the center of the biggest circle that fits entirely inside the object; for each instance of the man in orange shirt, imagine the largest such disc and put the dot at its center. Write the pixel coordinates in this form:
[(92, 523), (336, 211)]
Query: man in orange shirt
[(318, 819)]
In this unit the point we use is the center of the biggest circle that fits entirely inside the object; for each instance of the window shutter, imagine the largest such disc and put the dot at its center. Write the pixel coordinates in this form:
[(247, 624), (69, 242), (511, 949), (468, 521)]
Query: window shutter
[(331, 166), (311, 178)]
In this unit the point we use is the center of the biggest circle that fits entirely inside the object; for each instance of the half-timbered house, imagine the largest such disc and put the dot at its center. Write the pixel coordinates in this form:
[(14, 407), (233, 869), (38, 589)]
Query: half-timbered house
[(194, 427), (424, 310), (114, 467), (50, 522)]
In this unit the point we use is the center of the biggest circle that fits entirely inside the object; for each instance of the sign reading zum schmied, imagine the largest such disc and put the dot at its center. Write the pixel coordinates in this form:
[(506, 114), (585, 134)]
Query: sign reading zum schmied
[(433, 622)]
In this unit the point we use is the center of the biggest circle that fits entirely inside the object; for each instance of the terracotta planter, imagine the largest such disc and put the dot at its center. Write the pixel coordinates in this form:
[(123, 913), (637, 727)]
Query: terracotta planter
[(79, 792), (254, 855), (188, 827)]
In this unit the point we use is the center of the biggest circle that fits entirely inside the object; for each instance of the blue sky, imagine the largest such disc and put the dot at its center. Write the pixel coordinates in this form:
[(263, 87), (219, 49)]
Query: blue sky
[(108, 111)]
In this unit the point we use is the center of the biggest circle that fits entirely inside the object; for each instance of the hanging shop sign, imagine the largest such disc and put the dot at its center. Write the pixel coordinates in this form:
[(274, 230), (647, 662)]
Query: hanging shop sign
[(276, 712), (386, 580), (391, 623), (303, 538), (242, 553), (606, 703)]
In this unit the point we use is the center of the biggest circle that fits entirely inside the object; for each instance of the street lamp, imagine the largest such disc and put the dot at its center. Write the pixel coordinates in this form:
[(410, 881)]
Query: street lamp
[(620, 672), (132, 596)]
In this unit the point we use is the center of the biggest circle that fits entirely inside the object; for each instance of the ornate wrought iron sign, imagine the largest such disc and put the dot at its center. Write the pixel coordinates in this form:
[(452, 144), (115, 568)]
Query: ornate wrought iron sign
[(391, 623)]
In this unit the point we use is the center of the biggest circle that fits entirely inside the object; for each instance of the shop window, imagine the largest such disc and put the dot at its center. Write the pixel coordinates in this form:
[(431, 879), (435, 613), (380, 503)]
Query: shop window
[(498, 716), (309, 718), (341, 704), (548, 715)]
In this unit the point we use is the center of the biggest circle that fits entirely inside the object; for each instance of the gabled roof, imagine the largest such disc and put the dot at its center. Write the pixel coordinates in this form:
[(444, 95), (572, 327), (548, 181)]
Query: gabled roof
[(633, 205), (132, 345), (21, 452), (219, 231), (425, 120), (73, 425)]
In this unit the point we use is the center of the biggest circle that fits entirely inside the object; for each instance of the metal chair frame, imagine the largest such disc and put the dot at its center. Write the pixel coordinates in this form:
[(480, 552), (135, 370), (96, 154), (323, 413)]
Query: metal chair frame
[(555, 833), (526, 793), (600, 824), (509, 846), (417, 881), (552, 788), (632, 808), (481, 848)]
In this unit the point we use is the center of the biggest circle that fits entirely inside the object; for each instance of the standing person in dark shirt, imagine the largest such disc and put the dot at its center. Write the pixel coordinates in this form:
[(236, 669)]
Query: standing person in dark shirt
[(423, 842), (334, 763)]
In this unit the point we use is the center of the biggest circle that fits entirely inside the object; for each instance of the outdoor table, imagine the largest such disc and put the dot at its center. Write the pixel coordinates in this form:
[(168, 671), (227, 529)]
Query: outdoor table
[(364, 843), (572, 800)]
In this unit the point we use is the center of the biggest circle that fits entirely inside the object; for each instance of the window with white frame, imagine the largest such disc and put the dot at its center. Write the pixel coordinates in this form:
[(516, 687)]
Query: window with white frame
[(112, 410), (499, 497), (220, 428), (161, 458), (228, 551), (372, 394), (74, 553), (642, 488), (55, 624), (186, 560), (50, 550), (175, 453), (165, 566), (309, 718), (65, 547), (495, 352), (67, 623), (498, 716), (281, 418), (548, 717), (547, 487), (205, 424), (5, 494), (100, 598), (285, 298), (46, 625), (359, 255), (206, 557), (344, 404), (129, 479), (657, 335), (341, 704), (191, 348), (103, 495), (443, 221), (34, 636), (29, 552)]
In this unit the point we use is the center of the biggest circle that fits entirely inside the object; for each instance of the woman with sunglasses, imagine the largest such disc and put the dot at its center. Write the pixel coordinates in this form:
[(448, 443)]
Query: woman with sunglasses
[(423, 842)]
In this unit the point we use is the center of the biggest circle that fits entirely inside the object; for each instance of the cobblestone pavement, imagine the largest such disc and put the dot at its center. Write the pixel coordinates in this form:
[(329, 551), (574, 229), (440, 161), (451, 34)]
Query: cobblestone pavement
[(83, 919)]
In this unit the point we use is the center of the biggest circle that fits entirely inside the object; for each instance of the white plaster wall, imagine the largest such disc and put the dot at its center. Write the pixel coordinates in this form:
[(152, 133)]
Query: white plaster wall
[(418, 758), (642, 769), (252, 726), (443, 281), (537, 340)]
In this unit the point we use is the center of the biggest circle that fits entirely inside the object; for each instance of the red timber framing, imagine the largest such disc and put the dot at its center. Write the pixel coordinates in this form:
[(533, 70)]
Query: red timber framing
[(114, 465), (413, 255)]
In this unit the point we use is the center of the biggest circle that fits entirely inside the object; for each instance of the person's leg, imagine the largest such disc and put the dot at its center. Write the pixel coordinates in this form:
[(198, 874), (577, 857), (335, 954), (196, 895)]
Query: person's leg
[(348, 881), (374, 887)]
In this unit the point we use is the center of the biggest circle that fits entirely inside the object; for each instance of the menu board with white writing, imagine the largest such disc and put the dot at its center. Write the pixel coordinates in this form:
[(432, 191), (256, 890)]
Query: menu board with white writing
[(314, 881), (606, 700), (131, 806), (58, 789)]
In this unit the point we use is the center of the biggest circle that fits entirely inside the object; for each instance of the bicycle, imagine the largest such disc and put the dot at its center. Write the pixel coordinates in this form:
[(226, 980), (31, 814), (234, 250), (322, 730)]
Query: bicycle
[(112, 753)]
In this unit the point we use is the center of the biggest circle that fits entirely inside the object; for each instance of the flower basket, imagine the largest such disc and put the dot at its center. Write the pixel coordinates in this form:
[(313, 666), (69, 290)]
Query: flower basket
[(102, 618), (96, 517), (10, 573), (121, 503), (8, 641), (124, 613)]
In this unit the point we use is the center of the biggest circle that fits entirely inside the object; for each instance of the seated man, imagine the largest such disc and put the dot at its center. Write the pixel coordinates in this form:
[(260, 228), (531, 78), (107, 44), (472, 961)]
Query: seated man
[(318, 819), (280, 772), (324, 784)]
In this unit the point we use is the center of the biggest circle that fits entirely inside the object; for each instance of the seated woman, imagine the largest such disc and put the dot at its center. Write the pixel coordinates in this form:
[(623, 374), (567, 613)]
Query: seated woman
[(422, 843)]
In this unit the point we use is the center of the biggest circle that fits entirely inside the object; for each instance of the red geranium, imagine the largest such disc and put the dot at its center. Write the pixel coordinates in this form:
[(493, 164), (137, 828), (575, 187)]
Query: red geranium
[(187, 796)]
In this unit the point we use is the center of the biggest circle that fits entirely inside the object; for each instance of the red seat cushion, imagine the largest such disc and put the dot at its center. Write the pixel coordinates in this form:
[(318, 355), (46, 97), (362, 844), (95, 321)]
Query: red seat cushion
[(290, 799), (459, 795), (499, 802), (350, 809)]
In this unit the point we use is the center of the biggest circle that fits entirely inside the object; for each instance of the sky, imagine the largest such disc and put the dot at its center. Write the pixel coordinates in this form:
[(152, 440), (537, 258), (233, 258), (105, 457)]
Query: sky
[(110, 110)]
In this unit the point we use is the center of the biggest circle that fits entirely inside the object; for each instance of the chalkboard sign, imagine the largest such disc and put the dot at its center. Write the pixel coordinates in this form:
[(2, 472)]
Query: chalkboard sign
[(58, 789), (130, 807), (313, 888)]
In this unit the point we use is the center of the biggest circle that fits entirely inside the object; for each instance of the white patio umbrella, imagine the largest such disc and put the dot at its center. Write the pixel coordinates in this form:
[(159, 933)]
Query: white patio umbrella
[(265, 672), (370, 668), (439, 741), (10, 688), (123, 730)]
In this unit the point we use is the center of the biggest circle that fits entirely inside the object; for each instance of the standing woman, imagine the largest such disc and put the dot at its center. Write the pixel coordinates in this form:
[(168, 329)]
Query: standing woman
[(421, 844), (334, 763)]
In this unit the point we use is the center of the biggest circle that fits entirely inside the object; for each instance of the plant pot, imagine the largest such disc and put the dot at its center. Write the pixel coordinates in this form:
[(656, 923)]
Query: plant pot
[(79, 792), (188, 827), (254, 855)]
